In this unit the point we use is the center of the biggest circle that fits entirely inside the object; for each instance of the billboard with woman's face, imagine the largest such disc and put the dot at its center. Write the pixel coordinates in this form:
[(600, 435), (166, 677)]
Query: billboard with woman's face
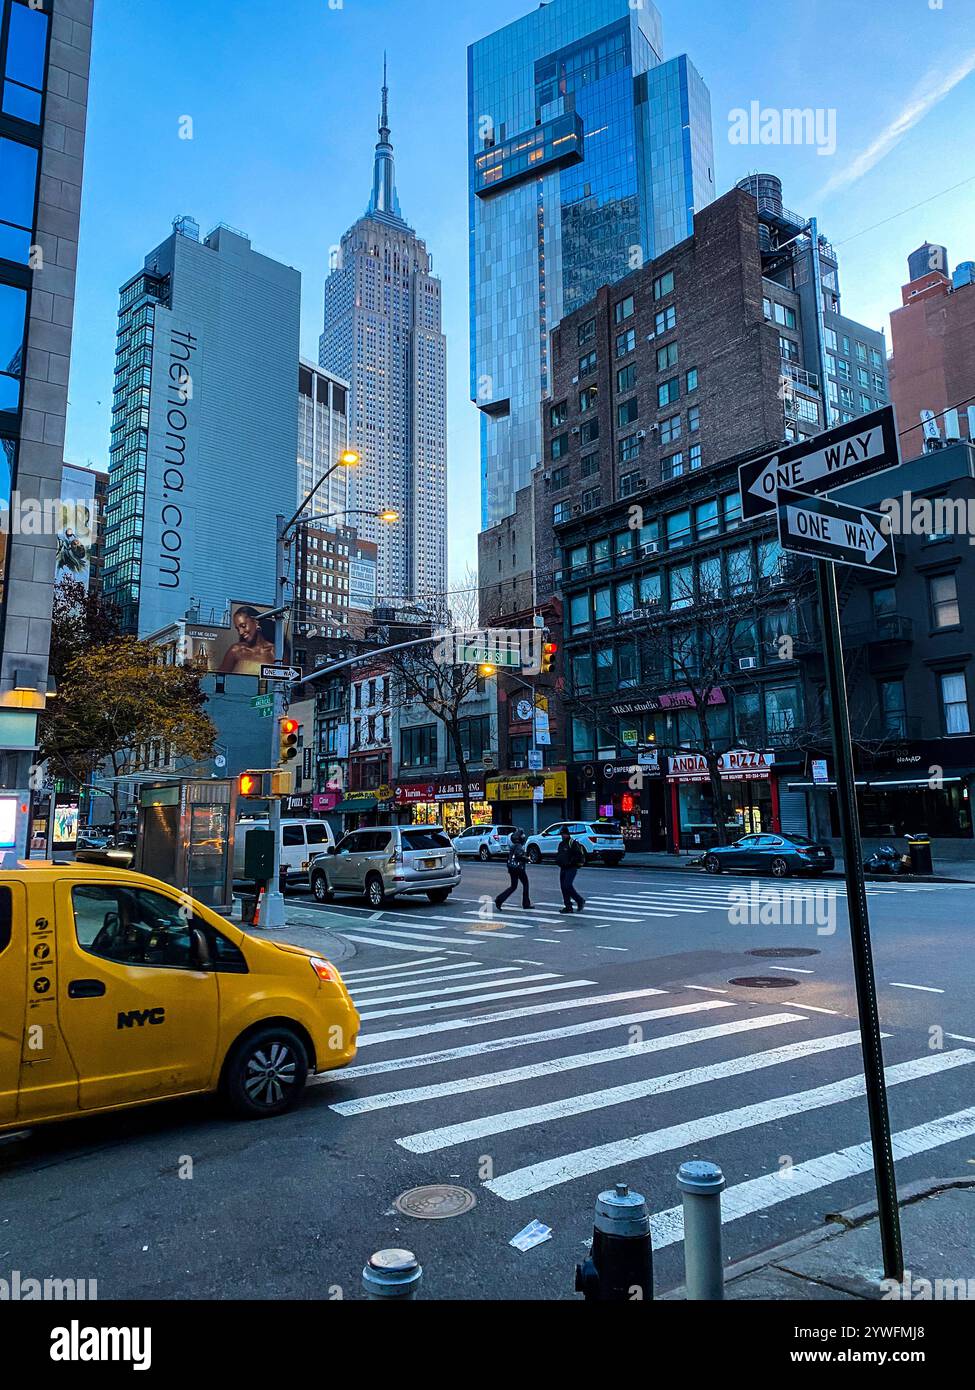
[(240, 650)]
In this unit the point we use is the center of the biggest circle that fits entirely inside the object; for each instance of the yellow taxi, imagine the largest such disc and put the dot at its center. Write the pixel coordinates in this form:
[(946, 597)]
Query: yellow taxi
[(117, 990)]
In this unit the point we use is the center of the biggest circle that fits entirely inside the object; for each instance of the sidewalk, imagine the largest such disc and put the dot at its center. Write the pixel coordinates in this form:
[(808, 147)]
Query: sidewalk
[(303, 929), (961, 871), (842, 1260)]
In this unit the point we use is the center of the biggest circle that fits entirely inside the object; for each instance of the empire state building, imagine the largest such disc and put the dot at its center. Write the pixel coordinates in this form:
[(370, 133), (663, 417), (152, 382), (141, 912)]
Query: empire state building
[(383, 335)]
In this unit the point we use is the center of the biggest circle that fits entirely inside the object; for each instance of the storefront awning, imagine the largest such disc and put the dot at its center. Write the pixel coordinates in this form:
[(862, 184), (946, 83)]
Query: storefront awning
[(351, 808)]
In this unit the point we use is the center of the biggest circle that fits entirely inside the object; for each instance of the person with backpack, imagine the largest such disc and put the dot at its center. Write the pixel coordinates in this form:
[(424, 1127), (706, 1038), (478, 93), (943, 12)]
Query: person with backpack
[(517, 873), (570, 858)]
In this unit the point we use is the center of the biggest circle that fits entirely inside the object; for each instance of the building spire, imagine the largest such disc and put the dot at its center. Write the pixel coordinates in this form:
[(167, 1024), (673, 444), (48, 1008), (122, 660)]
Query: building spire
[(384, 201)]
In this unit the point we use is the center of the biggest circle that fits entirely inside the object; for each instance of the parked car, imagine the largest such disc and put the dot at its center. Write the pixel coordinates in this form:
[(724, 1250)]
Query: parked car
[(484, 842), (301, 841), (136, 994), (599, 840), (779, 855), (391, 861)]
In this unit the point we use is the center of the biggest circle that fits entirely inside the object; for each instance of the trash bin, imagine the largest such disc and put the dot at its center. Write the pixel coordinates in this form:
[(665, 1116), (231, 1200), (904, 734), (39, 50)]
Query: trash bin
[(919, 849), (248, 904)]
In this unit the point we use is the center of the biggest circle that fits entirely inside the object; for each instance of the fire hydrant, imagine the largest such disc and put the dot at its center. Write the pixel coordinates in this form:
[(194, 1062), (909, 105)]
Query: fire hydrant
[(620, 1266)]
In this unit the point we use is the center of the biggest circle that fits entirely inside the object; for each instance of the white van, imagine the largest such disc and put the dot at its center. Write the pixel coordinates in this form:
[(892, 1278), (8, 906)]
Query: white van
[(301, 842)]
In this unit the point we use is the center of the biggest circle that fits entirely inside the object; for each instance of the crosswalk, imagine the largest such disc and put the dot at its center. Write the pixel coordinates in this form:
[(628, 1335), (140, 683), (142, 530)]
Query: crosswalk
[(417, 930), (562, 1080)]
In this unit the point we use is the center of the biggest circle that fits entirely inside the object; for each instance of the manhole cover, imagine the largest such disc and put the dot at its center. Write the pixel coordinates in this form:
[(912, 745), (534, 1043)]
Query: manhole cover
[(784, 952), (765, 982), (436, 1202)]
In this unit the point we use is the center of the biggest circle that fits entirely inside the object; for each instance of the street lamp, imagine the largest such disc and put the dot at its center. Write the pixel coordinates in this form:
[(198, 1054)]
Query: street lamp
[(488, 670)]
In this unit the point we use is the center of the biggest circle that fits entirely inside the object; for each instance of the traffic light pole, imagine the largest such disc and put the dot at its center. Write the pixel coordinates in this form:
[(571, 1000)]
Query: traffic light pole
[(856, 893), (272, 905)]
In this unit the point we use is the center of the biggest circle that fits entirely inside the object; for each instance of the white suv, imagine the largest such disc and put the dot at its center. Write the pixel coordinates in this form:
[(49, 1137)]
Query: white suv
[(599, 840), (484, 842)]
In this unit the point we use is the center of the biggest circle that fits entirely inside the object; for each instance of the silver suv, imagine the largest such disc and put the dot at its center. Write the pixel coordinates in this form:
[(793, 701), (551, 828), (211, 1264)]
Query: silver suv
[(393, 861)]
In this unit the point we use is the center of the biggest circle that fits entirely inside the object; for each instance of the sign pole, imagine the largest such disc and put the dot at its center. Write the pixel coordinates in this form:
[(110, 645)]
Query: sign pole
[(856, 891)]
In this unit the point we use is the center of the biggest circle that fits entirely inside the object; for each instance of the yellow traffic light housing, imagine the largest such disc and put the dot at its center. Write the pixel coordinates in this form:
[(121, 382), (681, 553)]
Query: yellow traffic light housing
[(289, 740)]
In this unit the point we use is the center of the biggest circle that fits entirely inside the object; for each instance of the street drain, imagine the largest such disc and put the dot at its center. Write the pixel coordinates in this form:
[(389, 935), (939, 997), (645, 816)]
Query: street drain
[(784, 952), (436, 1202), (765, 982)]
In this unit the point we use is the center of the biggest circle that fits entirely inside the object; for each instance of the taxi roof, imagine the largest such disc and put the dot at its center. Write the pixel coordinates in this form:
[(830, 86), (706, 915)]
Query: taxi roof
[(62, 868)]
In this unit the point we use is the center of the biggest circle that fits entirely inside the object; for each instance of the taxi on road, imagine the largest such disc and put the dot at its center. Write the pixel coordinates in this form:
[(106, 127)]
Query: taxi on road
[(117, 990)]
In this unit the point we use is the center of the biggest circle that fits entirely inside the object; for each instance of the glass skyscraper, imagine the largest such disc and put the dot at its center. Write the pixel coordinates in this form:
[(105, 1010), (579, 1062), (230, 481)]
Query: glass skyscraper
[(588, 156)]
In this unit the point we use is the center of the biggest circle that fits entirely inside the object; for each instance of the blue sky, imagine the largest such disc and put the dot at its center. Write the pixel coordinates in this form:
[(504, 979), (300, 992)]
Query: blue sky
[(284, 99)]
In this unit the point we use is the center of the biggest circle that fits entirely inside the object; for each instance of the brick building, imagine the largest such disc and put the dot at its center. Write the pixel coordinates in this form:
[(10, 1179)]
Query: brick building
[(933, 337)]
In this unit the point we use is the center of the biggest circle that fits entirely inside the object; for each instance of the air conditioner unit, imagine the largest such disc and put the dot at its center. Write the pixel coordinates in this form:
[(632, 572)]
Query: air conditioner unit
[(650, 337), (575, 381), (779, 581), (641, 434), (577, 509), (748, 663), (651, 548), (654, 427), (643, 482), (576, 429)]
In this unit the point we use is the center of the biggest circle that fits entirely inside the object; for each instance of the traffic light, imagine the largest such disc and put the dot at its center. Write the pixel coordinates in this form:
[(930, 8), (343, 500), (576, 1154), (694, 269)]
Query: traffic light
[(289, 740), (250, 786), (549, 652)]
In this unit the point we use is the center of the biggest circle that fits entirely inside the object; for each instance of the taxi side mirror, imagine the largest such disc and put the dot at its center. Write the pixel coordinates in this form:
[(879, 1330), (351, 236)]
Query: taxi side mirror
[(199, 950)]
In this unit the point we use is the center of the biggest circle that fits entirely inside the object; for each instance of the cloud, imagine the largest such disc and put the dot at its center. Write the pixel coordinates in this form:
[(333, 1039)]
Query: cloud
[(933, 88)]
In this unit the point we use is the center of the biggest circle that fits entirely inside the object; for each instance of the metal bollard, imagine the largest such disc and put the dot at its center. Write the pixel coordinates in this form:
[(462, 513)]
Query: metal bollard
[(701, 1185), (392, 1274), (620, 1267)]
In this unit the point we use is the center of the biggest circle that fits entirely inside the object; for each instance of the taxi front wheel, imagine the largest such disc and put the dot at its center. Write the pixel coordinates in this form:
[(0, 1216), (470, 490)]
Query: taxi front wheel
[(266, 1073)]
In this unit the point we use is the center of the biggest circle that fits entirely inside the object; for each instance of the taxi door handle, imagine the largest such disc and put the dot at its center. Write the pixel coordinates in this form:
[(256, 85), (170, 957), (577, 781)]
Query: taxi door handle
[(86, 989)]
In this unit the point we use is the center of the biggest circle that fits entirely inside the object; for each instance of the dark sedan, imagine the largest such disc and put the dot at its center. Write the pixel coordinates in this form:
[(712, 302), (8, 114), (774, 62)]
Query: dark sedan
[(779, 855)]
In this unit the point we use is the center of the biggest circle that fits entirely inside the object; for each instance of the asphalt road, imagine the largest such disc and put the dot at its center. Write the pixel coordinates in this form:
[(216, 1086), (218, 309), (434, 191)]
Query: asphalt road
[(535, 1059)]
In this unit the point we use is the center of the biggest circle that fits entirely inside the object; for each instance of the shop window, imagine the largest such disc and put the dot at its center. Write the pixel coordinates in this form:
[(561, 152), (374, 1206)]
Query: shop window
[(954, 702)]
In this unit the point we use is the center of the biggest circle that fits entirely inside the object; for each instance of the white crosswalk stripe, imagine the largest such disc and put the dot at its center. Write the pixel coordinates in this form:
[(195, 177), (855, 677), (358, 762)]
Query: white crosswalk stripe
[(731, 1049), (539, 1176), (487, 1080), (745, 1198), (502, 1123)]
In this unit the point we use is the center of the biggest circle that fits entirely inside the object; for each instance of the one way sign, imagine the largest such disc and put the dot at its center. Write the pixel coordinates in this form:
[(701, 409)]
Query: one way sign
[(833, 531), (842, 455)]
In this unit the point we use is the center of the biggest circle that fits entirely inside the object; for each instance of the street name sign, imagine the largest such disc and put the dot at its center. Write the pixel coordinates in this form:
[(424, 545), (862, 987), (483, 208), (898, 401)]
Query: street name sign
[(263, 702), (280, 673), (842, 455), (834, 531)]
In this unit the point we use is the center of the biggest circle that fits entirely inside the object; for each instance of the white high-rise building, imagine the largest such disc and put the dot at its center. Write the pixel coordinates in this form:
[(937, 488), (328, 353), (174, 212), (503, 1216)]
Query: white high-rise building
[(383, 336)]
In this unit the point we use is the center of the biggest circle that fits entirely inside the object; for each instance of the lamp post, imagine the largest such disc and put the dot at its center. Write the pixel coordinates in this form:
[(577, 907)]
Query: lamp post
[(272, 906)]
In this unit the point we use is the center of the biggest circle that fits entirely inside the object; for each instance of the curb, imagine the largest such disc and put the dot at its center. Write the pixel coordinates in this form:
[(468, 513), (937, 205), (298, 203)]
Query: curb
[(683, 866), (835, 1224)]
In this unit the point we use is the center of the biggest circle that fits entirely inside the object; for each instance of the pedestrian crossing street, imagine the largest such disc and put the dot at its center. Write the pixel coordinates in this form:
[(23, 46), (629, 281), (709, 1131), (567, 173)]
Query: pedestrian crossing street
[(559, 1080), (417, 930)]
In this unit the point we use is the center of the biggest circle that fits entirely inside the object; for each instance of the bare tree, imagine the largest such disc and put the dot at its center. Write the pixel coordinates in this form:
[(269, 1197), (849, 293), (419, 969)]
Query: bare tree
[(426, 675)]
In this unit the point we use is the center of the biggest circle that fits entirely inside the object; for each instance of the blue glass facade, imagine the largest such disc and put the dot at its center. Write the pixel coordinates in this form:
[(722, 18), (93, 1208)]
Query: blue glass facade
[(548, 228)]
